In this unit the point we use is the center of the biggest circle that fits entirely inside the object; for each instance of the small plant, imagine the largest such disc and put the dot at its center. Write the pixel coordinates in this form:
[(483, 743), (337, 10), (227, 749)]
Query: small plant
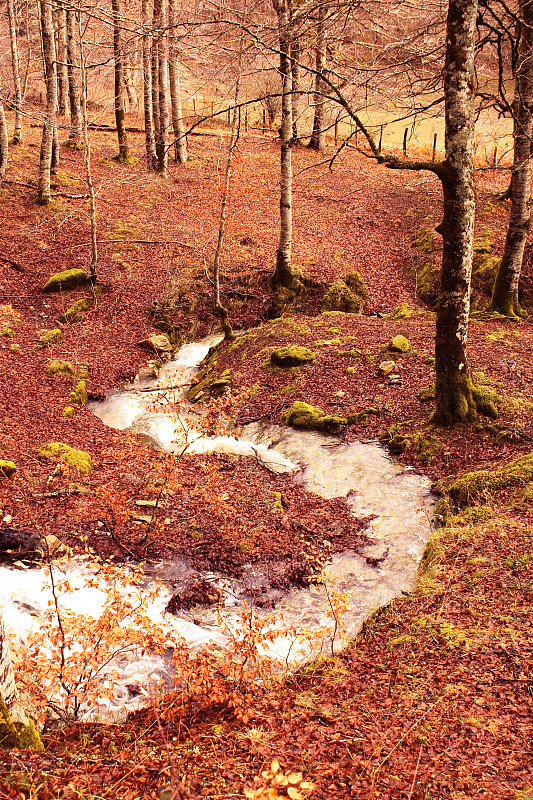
[(278, 785)]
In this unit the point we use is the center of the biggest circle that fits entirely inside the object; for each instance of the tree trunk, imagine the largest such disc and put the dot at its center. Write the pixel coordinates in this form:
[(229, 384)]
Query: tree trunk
[(318, 136), (296, 75), (16, 729), (4, 147), (161, 131), (284, 275), (180, 146), (505, 291), (73, 82), (147, 88), (49, 124), (154, 56), (62, 59), (123, 149), (15, 64), (453, 385)]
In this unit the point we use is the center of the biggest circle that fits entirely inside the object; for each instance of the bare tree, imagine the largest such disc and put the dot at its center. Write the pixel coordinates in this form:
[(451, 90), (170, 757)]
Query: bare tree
[(73, 82), (4, 147), (147, 86), (49, 136), (180, 145), (318, 136), (505, 291), (118, 56), (60, 24), (161, 130), (15, 65)]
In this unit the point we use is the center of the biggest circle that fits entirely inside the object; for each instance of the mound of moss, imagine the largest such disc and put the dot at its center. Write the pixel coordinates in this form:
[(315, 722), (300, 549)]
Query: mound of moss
[(400, 344), (291, 356), (7, 468), (52, 336), (303, 415), (63, 281), (478, 485), (57, 366), (485, 399), (208, 385), (75, 312), (401, 311), (72, 457), (340, 297)]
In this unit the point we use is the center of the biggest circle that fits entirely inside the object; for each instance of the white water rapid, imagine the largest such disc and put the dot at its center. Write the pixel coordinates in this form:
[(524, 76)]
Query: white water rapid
[(362, 472)]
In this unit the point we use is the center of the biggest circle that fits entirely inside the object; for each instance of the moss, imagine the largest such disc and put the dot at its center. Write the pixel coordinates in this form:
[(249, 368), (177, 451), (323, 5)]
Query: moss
[(427, 393), (8, 333), (7, 468), (484, 270), (14, 348), (355, 281), (401, 311), (441, 512), (278, 504), (291, 356), (68, 412), (22, 735), (423, 240), (400, 344), (52, 336), (58, 366), (79, 394), (327, 342), (421, 444), (303, 415), (485, 399), (75, 312), (72, 457), (475, 486), (208, 385), (339, 297), (63, 281), (351, 370), (483, 243), (427, 276)]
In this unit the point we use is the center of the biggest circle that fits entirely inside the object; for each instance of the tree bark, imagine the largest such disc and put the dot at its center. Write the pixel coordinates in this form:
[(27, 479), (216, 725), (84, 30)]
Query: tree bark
[(296, 75), (49, 124), (4, 146), (318, 136), (118, 55), (284, 275), (453, 386), (180, 146), (505, 291), (161, 131), (15, 65), (16, 729), (62, 59), (73, 82), (147, 87)]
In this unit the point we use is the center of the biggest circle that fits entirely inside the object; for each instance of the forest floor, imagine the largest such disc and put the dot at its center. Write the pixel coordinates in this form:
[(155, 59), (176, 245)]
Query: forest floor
[(434, 698)]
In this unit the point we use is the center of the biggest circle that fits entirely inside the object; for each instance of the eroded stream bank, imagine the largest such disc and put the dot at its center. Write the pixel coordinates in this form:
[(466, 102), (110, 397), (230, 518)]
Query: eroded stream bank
[(363, 473)]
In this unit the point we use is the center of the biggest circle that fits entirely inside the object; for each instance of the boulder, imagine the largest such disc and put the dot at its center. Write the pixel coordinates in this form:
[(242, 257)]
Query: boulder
[(17, 545), (72, 457), (400, 344), (339, 297), (63, 281), (75, 311), (7, 468), (303, 415), (291, 356), (52, 336), (386, 367), (158, 343), (57, 366)]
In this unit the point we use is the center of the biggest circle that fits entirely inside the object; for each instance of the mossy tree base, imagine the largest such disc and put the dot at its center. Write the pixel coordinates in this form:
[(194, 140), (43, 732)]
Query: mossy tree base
[(454, 400), (20, 733)]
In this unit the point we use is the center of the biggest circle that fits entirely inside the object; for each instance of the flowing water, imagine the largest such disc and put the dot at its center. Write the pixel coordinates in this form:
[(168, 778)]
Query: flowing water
[(362, 472)]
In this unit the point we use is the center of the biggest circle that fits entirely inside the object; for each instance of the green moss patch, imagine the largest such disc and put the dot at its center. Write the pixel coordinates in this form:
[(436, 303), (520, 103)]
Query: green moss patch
[(79, 394), (486, 399), (57, 366), (303, 415), (75, 312), (52, 336), (208, 385), (63, 452), (291, 356), (7, 333), (400, 344), (473, 487), (339, 297), (63, 281), (401, 311)]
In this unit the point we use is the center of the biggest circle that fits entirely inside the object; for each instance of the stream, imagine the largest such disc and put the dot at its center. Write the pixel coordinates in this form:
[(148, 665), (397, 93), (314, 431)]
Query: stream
[(362, 472)]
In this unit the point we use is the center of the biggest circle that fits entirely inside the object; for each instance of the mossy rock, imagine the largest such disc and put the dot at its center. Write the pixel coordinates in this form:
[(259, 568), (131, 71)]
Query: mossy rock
[(15, 733), (339, 297), (208, 385), (423, 445), (158, 343), (57, 366), (52, 336), (79, 394), (8, 333), (355, 281), (402, 311), (400, 344), (63, 452), (7, 468), (441, 512), (483, 242), (486, 399), (75, 312), (427, 276), (64, 281), (68, 412), (423, 240), (427, 393), (475, 486), (303, 415), (484, 270), (291, 356)]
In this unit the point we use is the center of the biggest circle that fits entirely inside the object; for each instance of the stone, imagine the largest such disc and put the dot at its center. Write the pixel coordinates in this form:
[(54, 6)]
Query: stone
[(339, 297), (303, 415), (63, 452), (401, 311), (400, 344), (386, 367), (7, 468), (57, 366), (75, 312), (63, 281), (52, 336), (157, 343), (291, 356), (79, 394), (16, 544)]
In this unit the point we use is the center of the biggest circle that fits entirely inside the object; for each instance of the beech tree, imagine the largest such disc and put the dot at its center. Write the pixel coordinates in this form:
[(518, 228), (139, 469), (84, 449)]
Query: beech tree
[(49, 141), (73, 79), (118, 57), (505, 291), (3, 140), (149, 137), (15, 66)]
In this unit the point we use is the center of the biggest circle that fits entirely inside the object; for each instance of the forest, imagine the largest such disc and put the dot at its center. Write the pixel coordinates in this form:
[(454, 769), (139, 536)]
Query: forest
[(266, 467)]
